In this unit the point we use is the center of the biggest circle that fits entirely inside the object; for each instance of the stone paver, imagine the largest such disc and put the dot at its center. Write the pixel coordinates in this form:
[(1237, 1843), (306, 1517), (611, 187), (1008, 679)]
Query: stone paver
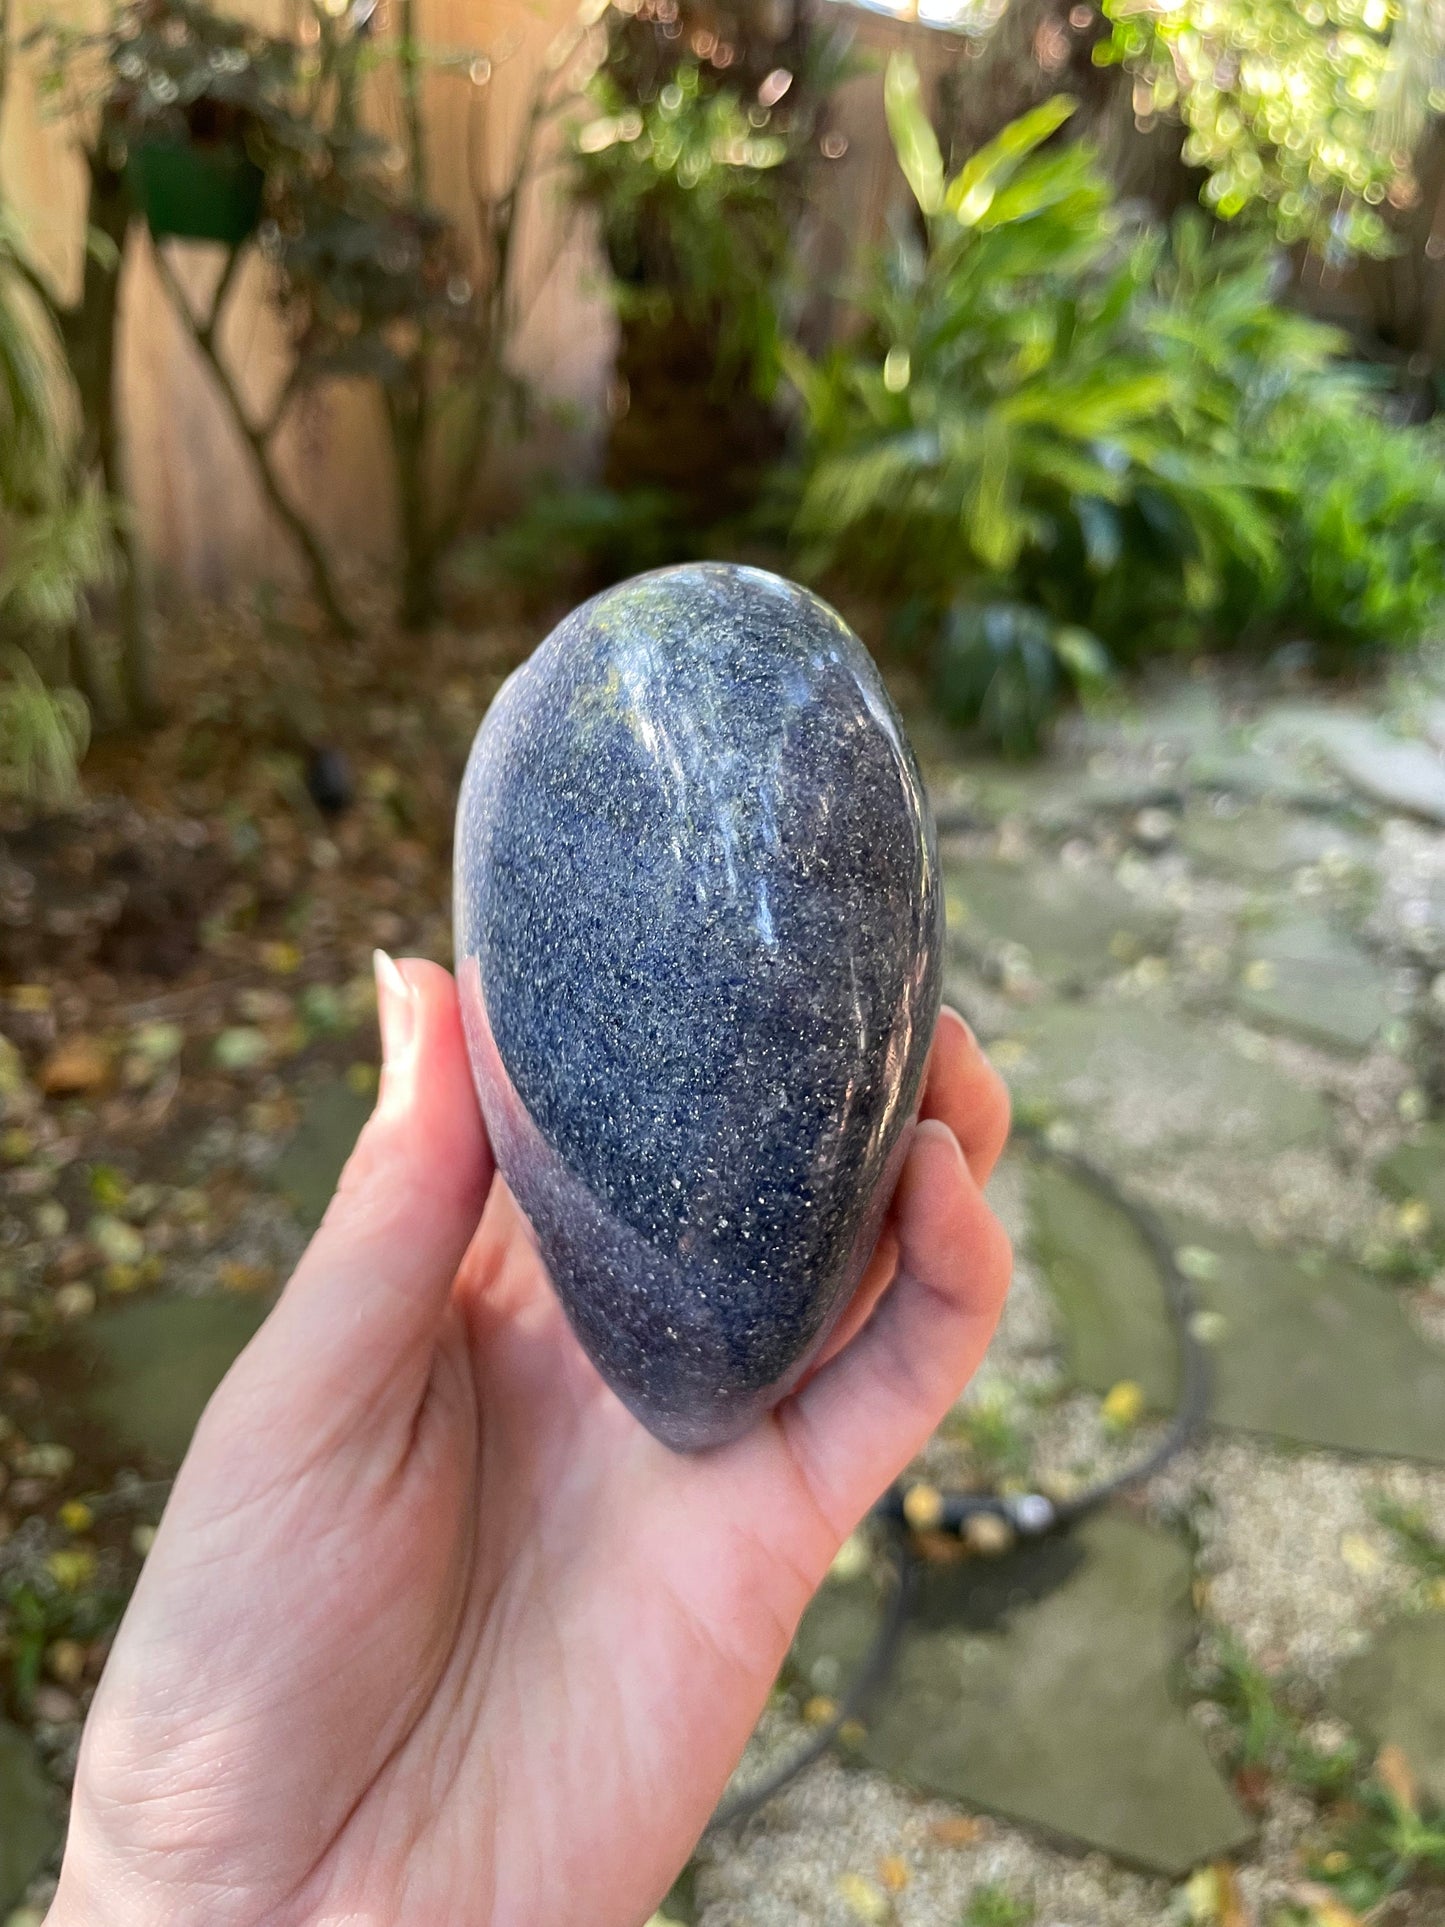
[(153, 1365), (309, 1167), (30, 1814), (1263, 842), (1043, 1688), (1393, 771), (1073, 926), (1416, 1170), (1304, 974), (1395, 1692), (1305, 1348), (1150, 1081), (1104, 1280), (1311, 1349)]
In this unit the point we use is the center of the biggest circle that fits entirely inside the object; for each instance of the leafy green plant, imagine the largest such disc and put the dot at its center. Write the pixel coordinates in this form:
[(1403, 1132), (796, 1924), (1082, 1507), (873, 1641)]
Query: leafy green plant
[(584, 536), (1376, 1835), (53, 535), (994, 1906), (1062, 442), (692, 223), (1366, 559), (693, 145), (43, 735), (34, 1611), (1419, 1545), (1005, 666), (995, 1428), (1280, 103), (52, 532)]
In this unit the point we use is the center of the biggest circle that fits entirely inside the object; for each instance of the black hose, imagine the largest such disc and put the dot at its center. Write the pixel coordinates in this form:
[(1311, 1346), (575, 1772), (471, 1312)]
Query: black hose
[(1029, 1515)]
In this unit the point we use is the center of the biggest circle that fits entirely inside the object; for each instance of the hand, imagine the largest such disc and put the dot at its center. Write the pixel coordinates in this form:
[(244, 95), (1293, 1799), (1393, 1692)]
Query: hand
[(433, 1633)]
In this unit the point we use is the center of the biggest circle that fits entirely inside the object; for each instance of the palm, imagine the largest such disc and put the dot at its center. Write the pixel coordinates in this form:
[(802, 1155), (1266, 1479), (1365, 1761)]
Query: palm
[(433, 1629)]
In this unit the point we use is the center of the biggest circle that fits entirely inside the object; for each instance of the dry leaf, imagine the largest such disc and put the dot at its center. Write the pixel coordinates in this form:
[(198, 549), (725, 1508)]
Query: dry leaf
[(1214, 1897), (866, 1901), (893, 1872), (1396, 1776), (955, 1830), (988, 1535), (236, 1276), (1326, 1910), (1228, 1900), (79, 1065), (923, 1506)]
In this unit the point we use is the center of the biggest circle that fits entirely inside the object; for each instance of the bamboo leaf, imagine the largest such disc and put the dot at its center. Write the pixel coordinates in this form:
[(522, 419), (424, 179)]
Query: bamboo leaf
[(914, 141), (971, 192)]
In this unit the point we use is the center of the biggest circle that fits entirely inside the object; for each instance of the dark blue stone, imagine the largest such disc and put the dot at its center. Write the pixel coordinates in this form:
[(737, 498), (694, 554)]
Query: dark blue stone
[(699, 936)]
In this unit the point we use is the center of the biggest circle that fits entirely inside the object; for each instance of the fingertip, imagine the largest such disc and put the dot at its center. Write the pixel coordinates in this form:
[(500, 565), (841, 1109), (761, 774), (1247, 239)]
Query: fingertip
[(963, 1089), (951, 1014)]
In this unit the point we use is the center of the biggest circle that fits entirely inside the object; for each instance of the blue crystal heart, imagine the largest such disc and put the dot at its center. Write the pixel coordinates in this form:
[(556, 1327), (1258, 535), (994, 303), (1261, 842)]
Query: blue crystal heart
[(699, 939)]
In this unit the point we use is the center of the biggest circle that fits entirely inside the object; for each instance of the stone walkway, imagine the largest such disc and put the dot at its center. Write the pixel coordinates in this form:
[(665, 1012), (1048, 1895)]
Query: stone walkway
[(1206, 943), (1207, 946)]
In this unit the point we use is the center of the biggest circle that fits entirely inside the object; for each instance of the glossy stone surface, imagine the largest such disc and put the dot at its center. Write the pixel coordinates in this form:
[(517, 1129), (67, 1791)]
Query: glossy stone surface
[(699, 938)]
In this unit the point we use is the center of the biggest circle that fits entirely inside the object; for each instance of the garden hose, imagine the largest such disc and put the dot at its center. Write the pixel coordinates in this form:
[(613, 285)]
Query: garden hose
[(915, 1506)]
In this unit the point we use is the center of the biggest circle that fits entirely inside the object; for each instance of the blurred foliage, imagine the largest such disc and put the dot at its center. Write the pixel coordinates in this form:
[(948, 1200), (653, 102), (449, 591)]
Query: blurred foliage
[(695, 145), (43, 735), (1377, 1834), (1413, 89), (52, 538), (992, 1905), (53, 532), (1063, 441), (35, 1611), (1365, 533), (1281, 102), (589, 536), (692, 222)]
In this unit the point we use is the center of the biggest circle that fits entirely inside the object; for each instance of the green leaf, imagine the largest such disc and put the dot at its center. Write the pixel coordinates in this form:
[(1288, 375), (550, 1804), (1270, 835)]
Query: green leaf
[(971, 192), (1083, 655), (914, 141)]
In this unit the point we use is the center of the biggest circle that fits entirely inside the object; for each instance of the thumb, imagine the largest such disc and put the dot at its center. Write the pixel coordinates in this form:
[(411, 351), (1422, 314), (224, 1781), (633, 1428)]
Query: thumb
[(356, 1326)]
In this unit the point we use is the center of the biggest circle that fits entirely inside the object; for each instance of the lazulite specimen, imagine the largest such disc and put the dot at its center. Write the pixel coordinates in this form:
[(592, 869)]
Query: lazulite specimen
[(699, 936)]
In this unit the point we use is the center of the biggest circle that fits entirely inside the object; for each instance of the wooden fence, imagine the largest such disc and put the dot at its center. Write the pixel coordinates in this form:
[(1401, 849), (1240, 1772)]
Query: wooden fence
[(201, 514)]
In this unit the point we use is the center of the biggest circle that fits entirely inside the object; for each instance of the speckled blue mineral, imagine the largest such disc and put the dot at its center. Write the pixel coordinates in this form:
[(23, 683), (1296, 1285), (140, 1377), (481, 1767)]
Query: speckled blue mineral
[(699, 934)]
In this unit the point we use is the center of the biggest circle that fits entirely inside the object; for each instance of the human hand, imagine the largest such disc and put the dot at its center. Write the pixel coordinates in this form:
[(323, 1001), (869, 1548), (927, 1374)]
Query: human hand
[(433, 1632)]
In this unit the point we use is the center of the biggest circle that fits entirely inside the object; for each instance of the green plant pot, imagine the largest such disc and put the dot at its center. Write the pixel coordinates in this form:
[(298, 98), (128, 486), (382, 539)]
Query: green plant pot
[(196, 193)]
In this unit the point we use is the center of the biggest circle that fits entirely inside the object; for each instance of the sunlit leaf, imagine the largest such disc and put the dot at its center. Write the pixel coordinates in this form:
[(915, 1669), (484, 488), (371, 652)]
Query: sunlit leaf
[(914, 141), (971, 192)]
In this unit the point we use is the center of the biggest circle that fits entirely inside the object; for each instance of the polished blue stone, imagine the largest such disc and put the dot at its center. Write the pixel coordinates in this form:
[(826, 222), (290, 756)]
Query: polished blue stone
[(699, 936)]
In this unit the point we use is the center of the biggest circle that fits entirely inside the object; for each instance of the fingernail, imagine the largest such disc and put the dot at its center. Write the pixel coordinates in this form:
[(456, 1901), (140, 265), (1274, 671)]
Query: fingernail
[(395, 1007), (968, 1028)]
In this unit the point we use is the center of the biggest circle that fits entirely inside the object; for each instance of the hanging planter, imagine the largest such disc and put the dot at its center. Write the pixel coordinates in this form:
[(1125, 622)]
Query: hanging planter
[(196, 191)]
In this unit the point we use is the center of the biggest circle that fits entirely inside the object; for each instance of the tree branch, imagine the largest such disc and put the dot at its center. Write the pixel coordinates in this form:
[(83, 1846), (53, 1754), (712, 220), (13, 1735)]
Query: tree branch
[(255, 438), (218, 297)]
